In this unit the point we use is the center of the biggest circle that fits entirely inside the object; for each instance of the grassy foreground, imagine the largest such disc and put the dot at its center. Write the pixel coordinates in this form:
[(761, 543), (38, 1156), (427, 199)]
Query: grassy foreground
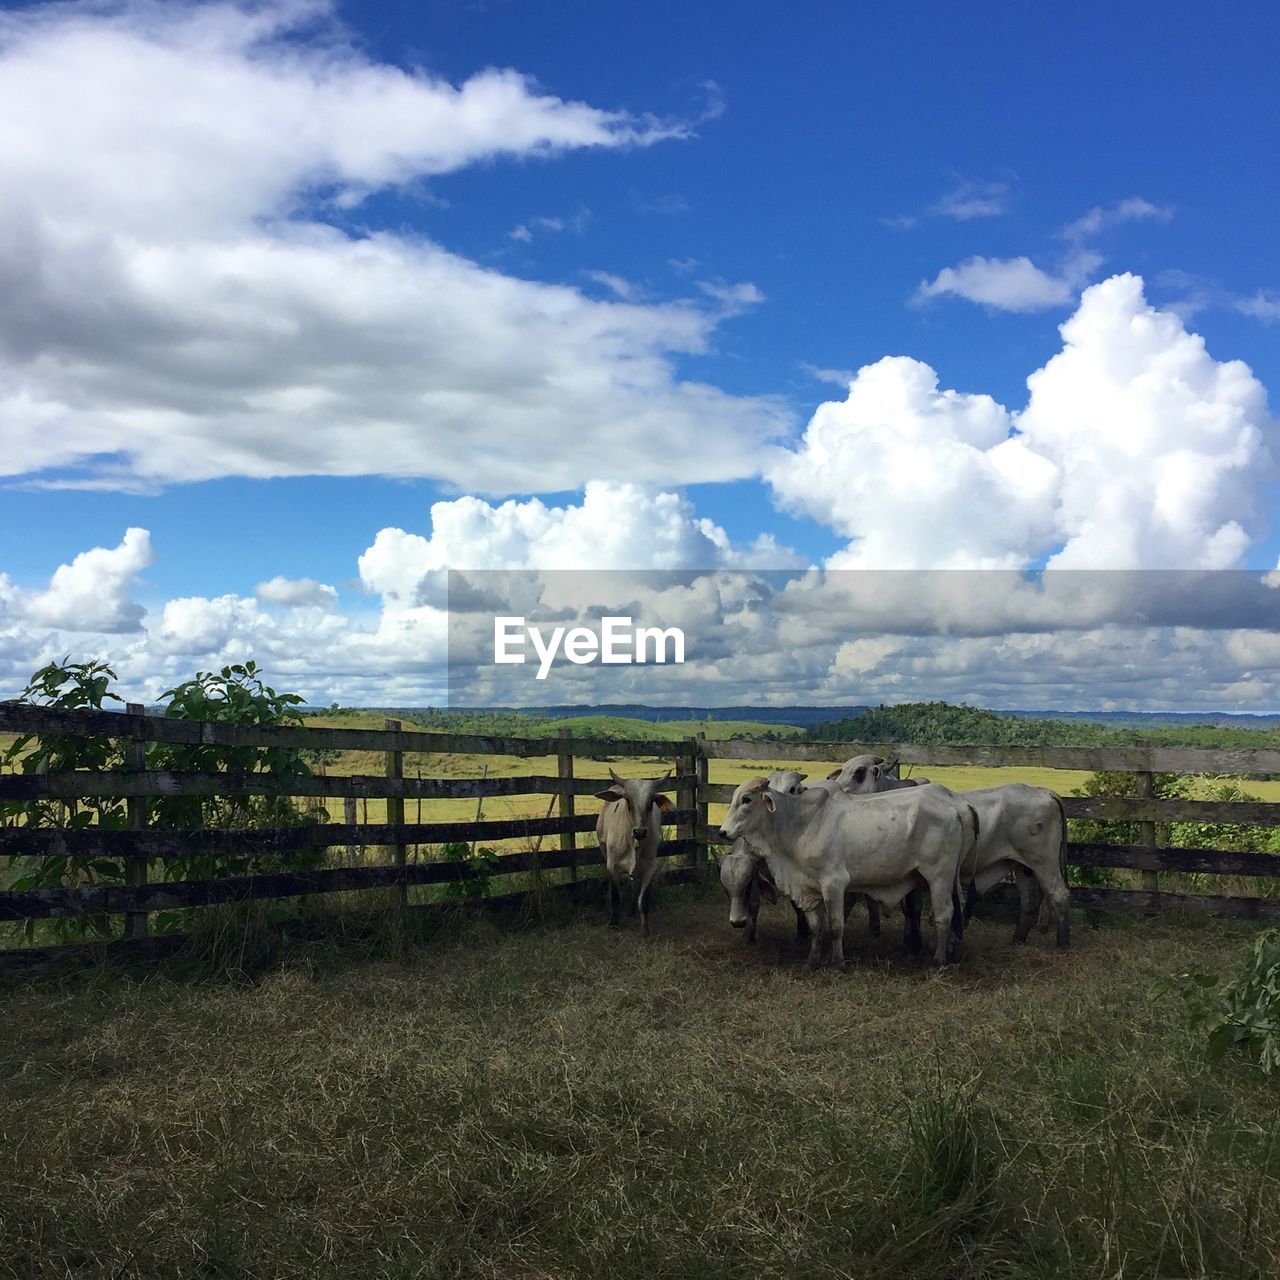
[(560, 1100)]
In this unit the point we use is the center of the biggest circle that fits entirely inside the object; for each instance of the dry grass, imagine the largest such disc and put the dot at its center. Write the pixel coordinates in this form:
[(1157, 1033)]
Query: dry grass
[(562, 1100)]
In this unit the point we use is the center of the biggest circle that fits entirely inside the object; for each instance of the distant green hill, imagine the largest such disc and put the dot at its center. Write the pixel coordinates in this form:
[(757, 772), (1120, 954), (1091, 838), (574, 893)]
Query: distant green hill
[(940, 722), (923, 722), (518, 724)]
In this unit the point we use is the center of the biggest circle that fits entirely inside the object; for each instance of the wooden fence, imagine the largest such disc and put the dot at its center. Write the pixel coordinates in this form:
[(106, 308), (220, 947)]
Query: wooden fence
[(141, 845)]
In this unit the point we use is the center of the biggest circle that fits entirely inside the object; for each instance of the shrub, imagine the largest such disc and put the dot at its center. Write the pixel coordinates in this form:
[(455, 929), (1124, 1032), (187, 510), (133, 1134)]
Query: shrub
[(1245, 1012), (234, 695)]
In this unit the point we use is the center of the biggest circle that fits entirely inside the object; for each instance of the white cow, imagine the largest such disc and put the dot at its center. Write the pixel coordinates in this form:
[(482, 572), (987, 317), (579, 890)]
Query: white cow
[(1022, 830), (819, 845), (629, 828), (793, 782), (746, 881), (861, 774)]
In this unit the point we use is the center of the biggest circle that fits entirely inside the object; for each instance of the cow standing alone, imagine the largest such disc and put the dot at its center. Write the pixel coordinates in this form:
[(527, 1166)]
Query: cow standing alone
[(629, 829)]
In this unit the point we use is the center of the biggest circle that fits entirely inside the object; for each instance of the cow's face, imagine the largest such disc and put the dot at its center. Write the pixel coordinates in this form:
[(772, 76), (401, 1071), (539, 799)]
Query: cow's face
[(749, 813), (788, 781), (861, 775), (644, 803), (740, 873)]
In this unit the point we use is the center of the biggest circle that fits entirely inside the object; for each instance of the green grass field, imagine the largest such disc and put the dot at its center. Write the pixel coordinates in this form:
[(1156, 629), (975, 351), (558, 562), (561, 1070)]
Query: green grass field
[(564, 1101)]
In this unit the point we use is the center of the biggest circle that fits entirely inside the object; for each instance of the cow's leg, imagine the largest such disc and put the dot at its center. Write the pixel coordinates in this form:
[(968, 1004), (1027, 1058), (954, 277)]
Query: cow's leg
[(1060, 902), (957, 913), (912, 908), (1029, 898), (615, 899), (941, 898), (802, 925), (873, 917), (972, 897), (644, 895), (833, 900), (816, 918)]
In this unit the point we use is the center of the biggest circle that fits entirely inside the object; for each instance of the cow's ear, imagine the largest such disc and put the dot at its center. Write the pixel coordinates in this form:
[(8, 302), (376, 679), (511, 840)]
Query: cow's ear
[(768, 892), (768, 802), (835, 773), (875, 773), (800, 777), (614, 793), (663, 803)]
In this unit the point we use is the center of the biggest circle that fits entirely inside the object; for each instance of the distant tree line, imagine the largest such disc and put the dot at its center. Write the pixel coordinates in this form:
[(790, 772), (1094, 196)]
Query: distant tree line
[(944, 724)]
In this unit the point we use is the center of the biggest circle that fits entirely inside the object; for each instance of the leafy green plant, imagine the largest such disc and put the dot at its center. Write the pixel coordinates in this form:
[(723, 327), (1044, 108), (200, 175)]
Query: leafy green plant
[(1245, 1012), (474, 870), (71, 686), (1230, 836), (1164, 786), (235, 695)]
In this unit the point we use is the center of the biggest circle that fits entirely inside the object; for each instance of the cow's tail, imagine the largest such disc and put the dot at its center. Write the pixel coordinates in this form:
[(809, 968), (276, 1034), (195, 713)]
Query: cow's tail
[(973, 827), (1062, 840), (959, 915)]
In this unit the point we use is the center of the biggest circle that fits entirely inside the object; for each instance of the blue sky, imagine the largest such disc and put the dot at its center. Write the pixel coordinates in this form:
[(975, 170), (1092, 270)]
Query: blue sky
[(728, 211)]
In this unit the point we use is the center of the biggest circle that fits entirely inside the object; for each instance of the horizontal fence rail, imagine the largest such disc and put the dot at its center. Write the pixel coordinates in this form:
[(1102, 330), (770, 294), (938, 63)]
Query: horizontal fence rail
[(81, 785), (691, 825), (95, 842), (167, 896)]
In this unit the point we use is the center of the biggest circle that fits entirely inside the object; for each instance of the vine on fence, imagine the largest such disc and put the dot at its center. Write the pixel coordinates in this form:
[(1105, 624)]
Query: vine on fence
[(234, 695), (71, 686), (1226, 836), (475, 869)]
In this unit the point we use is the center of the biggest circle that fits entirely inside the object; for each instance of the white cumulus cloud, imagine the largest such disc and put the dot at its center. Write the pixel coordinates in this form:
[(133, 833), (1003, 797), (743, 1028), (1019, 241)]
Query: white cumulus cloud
[(917, 476), (1136, 449), (179, 305), (92, 593), (616, 526), (1160, 446), (1011, 284), (297, 593)]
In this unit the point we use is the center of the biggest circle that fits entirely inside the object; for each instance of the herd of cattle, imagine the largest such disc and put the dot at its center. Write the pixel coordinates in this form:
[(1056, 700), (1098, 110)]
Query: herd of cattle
[(860, 833)]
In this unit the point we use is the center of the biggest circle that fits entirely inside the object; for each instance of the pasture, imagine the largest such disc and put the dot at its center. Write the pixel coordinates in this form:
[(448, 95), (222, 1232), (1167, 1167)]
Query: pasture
[(549, 1098)]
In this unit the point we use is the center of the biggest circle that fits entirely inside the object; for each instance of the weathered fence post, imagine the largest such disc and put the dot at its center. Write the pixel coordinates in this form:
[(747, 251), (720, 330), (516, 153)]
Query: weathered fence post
[(395, 812), (135, 872), (702, 806), (1144, 789), (349, 817), (564, 771), (686, 797)]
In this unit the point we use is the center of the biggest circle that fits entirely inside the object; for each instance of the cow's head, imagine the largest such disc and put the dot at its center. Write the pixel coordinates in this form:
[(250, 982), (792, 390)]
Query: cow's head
[(861, 775), (788, 781), (750, 811), (745, 880), (644, 801)]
